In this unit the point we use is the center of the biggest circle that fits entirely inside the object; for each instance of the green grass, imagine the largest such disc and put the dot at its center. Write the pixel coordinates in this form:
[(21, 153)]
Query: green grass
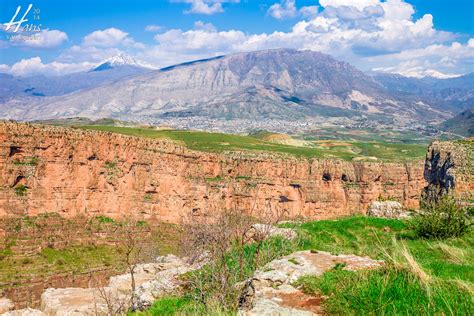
[(76, 259), (77, 255), (168, 306), (440, 282), (33, 161), (395, 289), (386, 291), (21, 190), (219, 142)]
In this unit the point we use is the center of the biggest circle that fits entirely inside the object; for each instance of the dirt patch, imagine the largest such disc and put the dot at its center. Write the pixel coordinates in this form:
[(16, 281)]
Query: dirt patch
[(302, 301), (331, 143)]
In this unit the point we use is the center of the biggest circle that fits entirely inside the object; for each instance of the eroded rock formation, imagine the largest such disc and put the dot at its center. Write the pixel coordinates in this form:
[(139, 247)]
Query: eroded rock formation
[(449, 169), (71, 172)]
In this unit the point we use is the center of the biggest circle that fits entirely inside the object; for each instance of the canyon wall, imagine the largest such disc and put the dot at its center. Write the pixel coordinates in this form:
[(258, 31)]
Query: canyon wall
[(75, 172)]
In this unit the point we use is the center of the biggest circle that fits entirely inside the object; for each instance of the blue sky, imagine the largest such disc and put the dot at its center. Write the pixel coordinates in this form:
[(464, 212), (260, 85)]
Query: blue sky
[(389, 35)]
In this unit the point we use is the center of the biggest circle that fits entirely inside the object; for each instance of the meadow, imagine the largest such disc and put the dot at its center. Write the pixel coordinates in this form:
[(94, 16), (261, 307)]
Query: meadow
[(219, 142)]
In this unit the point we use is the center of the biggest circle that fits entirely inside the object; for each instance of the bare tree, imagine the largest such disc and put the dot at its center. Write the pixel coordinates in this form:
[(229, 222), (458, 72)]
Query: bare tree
[(132, 239), (224, 240)]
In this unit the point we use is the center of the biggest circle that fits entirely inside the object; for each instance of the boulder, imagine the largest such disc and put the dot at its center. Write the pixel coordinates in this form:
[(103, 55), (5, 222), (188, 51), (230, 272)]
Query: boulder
[(6, 305), (386, 209), (270, 290), (25, 312), (259, 231)]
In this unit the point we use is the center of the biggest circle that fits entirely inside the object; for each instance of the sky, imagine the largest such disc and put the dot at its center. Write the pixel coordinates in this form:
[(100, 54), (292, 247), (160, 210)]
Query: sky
[(399, 36)]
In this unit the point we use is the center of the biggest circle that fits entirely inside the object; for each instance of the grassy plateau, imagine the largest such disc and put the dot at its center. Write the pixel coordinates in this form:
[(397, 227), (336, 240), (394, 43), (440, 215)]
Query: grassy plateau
[(219, 142)]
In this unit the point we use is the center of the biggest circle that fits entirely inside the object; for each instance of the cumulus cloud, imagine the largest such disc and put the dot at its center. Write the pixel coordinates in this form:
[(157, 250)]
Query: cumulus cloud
[(100, 45), (43, 39), (105, 38), (446, 58), (359, 4), (367, 33), (4, 68), (354, 31), (80, 53), (284, 10), (309, 11), (153, 28), (207, 7), (208, 27), (34, 66)]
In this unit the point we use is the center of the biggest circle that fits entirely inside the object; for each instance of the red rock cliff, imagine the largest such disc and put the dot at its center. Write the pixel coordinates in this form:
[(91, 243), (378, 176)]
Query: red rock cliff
[(53, 169)]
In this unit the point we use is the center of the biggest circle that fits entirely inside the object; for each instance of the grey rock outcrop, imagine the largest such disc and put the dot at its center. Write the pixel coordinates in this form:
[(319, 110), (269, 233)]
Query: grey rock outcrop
[(386, 209), (270, 290)]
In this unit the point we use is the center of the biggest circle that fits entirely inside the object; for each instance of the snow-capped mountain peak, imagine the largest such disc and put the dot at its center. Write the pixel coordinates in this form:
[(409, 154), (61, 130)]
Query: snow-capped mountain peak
[(121, 60), (430, 73), (418, 73)]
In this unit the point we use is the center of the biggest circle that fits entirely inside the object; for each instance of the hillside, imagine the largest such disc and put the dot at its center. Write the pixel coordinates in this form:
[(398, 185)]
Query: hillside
[(461, 124)]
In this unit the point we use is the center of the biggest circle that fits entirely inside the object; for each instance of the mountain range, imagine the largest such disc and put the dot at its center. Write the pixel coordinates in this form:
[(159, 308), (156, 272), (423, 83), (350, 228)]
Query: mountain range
[(280, 84)]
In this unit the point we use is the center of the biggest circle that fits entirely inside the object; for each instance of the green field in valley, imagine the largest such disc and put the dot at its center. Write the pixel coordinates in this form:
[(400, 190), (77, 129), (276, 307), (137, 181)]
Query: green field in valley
[(219, 142)]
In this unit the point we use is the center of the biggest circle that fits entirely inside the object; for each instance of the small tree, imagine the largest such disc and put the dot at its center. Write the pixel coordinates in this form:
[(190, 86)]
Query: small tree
[(133, 244), (443, 218), (233, 248)]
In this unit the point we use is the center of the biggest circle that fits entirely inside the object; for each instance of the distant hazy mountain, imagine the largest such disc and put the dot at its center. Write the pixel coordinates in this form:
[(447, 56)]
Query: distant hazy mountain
[(34, 88), (281, 84), (453, 94), (426, 73), (461, 124)]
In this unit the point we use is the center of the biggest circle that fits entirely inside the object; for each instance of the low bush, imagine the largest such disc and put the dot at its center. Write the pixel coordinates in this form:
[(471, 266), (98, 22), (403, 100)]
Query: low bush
[(441, 219)]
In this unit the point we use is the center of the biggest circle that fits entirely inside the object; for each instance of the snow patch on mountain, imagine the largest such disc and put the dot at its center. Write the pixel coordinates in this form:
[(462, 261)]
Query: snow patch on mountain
[(419, 73), (121, 60)]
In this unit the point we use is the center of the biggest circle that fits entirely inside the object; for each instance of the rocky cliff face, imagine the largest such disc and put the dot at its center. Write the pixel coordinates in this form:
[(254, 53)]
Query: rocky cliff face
[(53, 169), (449, 169)]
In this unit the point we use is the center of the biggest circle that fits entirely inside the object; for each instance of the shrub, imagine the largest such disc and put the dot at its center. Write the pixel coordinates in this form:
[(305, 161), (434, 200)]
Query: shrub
[(441, 219), (21, 190)]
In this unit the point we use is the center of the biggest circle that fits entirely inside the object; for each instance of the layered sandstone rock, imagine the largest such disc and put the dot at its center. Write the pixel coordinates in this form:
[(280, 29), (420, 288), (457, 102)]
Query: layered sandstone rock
[(54, 169)]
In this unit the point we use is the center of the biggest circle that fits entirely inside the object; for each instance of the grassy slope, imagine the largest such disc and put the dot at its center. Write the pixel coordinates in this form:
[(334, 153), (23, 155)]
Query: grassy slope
[(397, 289), (218, 142), (439, 280), (78, 257)]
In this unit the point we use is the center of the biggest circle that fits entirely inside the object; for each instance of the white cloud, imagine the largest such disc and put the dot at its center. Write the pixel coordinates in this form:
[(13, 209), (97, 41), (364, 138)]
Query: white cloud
[(105, 38), (80, 53), (367, 33), (208, 27), (199, 41), (34, 66), (100, 45), (153, 28), (454, 58), (286, 9), (359, 4), (207, 7), (43, 39), (309, 11), (470, 43), (4, 68), (348, 30)]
